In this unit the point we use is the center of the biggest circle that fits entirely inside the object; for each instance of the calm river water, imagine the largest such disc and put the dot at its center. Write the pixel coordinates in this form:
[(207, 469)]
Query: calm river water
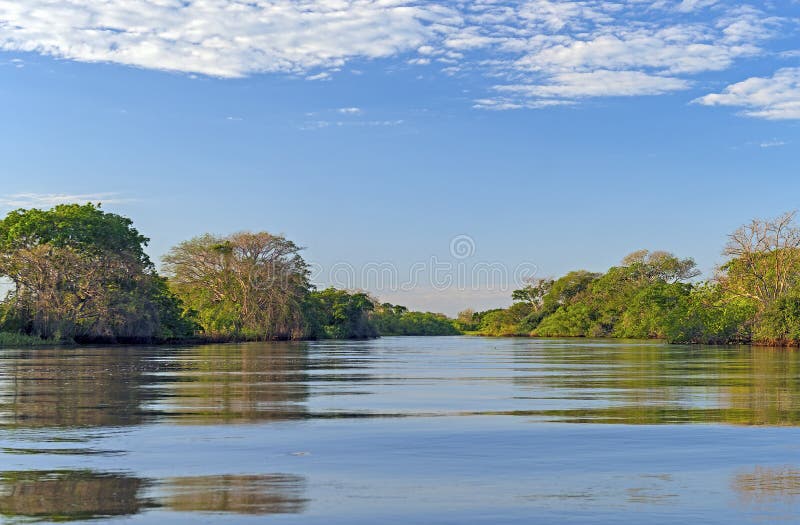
[(401, 430)]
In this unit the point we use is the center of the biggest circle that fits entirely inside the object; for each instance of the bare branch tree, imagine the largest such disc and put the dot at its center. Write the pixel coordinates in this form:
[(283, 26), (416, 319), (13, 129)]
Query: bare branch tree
[(246, 283), (764, 259)]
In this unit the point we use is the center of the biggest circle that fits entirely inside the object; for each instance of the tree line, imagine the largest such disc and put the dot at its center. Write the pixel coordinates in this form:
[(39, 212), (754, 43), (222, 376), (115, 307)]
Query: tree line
[(81, 274), (754, 297)]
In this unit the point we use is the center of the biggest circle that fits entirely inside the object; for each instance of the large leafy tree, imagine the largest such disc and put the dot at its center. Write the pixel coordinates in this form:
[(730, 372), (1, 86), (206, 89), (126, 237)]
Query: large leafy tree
[(84, 228), (248, 285), (80, 272)]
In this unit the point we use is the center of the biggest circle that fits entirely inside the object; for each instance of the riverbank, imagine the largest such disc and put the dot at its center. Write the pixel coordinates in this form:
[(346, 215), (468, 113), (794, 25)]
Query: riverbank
[(10, 339), (15, 340), (777, 343)]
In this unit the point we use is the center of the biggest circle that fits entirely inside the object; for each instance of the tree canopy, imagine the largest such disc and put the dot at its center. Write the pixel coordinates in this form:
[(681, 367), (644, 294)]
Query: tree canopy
[(392, 319), (84, 228), (249, 285), (81, 273), (78, 272), (754, 297)]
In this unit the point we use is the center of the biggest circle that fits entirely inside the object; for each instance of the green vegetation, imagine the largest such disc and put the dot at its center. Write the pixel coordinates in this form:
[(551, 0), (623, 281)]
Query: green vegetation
[(337, 314), (243, 286), (15, 339), (80, 274), (754, 298), (391, 319), (254, 287)]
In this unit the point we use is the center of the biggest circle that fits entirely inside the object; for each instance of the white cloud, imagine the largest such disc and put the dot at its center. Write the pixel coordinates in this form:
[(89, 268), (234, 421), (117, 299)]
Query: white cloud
[(314, 125), (350, 111), (48, 200), (545, 52), (469, 38), (224, 38), (599, 83), (557, 15), (684, 49), (322, 124), (567, 51), (774, 143), (693, 5), (504, 104), (319, 76), (773, 98), (746, 24)]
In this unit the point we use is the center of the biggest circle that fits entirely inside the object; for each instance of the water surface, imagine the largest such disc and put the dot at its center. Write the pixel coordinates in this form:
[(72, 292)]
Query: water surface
[(401, 430)]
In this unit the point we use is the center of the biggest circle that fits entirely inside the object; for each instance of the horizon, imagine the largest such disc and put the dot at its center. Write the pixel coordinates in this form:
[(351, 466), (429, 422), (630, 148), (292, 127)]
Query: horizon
[(458, 273), (552, 136)]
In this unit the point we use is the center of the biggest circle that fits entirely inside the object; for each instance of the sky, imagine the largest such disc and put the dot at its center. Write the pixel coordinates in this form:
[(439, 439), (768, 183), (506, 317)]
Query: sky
[(435, 154)]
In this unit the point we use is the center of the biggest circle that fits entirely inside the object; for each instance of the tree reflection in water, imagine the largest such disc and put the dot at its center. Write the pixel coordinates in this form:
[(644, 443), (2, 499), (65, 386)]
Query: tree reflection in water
[(585, 382), (109, 387), (239, 384), (70, 495), (88, 387), (765, 485), (650, 383), (272, 494)]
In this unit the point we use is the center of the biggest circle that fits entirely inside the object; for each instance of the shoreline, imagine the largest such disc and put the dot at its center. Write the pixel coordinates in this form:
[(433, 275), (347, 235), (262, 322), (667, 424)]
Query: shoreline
[(21, 341)]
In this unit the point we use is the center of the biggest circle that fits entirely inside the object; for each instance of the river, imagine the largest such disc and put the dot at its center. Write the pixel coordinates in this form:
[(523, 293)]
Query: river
[(401, 430)]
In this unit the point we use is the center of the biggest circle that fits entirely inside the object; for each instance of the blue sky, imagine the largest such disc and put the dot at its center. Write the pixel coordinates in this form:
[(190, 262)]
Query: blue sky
[(551, 135)]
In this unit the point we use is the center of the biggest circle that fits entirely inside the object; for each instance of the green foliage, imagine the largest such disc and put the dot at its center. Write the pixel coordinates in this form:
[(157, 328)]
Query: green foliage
[(505, 322), (175, 319), (632, 300), (780, 322), (709, 316), (647, 312), (17, 340), (249, 285), (534, 292), (755, 277), (565, 289), (764, 260), (81, 273), (467, 321), (338, 314), (575, 320), (756, 297), (85, 228), (660, 266), (763, 271), (390, 319)]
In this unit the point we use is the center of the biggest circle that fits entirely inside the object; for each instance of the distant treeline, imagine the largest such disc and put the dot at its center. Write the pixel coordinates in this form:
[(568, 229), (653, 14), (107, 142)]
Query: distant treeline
[(80, 274), (753, 298)]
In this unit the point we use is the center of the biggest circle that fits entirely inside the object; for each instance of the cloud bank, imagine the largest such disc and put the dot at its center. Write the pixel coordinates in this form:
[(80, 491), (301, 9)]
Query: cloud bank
[(533, 53), (223, 38)]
